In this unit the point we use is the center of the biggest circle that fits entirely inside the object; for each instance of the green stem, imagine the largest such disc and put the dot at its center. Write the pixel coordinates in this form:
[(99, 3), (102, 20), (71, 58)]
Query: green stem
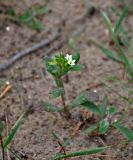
[(59, 83)]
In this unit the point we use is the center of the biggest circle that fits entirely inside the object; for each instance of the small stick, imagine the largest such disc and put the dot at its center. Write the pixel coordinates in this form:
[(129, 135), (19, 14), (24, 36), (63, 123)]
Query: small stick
[(77, 128), (7, 89), (54, 47), (28, 51), (62, 147)]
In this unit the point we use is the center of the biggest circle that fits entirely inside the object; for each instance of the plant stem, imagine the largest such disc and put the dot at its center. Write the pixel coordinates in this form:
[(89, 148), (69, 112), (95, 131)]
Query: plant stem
[(66, 111), (59, 83), (2, 146)]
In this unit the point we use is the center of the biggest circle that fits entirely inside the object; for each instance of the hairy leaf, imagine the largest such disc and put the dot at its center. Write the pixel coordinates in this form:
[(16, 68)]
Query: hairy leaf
[(91, 106), (103, 126), (57, 92), (76, 56), (91, 129), (124, 130), (112, 111), (50, 107), (77, 67)]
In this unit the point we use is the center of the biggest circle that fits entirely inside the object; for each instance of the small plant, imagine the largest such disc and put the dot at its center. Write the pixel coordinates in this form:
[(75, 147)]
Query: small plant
[(29, 16), (106, 121), (59, 66)]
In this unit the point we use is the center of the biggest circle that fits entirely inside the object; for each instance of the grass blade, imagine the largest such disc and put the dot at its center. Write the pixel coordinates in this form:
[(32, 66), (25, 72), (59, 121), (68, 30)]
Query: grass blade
[(107, 21), (81, 153), (14, 129), (103, 106), (1, 127), (109, 53), (120, 20), (123, 55)]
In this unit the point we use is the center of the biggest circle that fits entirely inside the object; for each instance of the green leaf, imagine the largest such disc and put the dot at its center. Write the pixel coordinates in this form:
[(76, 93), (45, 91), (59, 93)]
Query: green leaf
[(80, 153), (91, 129), (77, 67), (25, 17), (50, 107), (54, 136), (112, 111), (103, 126), (51, 66), (120, 20), (123, 55), (124, 41), (57, 92), (76, 56), (103, 106), (111, 54), (124, 130), (1, 127), (10, 11), (81, 98), (107, 21), (14, 129), (91, 106)]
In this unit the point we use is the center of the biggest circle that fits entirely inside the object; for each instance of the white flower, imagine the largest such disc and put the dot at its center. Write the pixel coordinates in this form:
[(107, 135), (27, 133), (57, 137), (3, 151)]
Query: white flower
[(7, 82), (69, 59)]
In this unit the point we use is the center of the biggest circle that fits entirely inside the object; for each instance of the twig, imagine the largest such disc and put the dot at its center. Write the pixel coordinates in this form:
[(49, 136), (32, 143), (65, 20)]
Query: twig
[(54, 47), (60, 143), (77, 128), (4, 92), (28, 51)]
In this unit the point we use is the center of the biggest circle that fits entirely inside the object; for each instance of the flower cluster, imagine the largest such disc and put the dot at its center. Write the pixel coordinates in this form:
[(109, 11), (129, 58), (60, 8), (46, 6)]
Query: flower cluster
[(69, 59)]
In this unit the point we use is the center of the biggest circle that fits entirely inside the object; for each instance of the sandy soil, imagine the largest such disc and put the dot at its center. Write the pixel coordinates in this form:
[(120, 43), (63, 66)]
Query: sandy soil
[(29, 85)]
